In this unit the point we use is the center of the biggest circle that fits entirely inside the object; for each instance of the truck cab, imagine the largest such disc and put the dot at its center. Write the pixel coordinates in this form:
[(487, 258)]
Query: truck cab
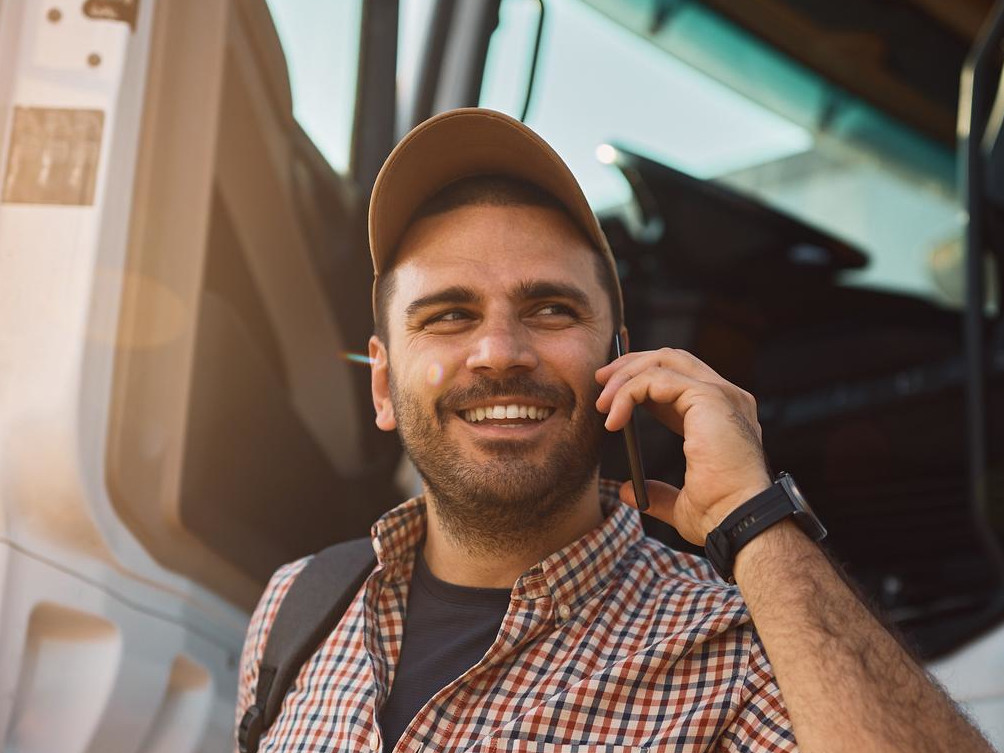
[(806, 195)]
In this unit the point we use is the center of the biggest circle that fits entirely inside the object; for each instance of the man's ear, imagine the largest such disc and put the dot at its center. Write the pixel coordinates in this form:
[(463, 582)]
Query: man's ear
[(380, 385)]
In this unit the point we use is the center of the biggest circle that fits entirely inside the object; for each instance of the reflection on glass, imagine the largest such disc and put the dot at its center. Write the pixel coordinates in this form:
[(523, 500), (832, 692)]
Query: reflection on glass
[(605, 77)]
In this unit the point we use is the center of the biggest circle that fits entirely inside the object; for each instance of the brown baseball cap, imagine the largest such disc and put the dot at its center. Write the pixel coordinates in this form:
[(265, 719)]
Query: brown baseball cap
[(459, 144)]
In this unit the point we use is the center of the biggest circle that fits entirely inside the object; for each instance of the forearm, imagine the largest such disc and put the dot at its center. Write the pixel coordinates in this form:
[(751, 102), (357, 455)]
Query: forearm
[(848, 685)]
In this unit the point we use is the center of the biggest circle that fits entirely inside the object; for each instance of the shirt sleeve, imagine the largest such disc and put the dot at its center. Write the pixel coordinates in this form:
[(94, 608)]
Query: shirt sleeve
[(762, 723), (257, 634)]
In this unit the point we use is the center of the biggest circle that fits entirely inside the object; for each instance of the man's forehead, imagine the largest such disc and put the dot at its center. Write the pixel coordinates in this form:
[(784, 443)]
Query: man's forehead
[(491, 235), (482, 275), (432, 264)]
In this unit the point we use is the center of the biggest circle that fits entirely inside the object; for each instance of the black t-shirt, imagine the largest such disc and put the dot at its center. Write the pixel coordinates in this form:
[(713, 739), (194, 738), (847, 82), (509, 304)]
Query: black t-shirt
[(447, 630)]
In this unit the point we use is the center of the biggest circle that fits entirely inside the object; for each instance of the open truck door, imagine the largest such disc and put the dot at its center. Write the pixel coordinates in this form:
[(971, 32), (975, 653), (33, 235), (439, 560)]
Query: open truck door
[(183, 279)]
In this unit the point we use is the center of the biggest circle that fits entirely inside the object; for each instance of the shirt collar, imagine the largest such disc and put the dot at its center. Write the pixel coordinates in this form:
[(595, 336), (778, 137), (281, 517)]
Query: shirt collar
[(568, 575), (397, 533), (585, 565)]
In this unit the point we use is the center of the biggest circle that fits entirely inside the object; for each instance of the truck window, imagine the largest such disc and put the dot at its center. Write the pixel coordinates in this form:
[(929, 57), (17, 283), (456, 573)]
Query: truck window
[(778, 133), (321, 43)]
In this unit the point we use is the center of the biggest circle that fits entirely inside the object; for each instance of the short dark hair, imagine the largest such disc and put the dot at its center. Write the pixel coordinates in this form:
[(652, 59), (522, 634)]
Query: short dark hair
[(496, 191)]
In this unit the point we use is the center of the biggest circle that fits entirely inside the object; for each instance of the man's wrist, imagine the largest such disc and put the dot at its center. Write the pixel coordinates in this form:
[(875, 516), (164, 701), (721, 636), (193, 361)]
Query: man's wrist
[(715, 515), (769, 548)]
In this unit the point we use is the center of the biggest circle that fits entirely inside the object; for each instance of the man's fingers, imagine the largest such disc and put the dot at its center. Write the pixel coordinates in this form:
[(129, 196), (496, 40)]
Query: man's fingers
[(661, 498), (662, 387), (604, 372), (616, 374), (674, 358)]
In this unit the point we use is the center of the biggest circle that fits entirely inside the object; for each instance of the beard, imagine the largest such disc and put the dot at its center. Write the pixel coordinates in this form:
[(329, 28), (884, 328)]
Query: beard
[(509, 500)]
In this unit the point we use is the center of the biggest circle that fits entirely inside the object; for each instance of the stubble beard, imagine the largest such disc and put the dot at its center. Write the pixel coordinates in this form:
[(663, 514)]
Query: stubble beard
[(507, 501)]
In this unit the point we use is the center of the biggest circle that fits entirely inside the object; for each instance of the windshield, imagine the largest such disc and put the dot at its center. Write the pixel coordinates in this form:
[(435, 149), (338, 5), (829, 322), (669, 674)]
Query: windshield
[(773, 131)]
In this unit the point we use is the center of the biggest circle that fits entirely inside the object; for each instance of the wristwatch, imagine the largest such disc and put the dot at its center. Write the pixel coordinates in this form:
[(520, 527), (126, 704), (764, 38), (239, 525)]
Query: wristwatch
[(782, 500)]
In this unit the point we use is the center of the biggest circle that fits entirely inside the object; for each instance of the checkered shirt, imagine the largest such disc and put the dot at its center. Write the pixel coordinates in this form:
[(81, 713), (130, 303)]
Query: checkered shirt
[(615, 643)]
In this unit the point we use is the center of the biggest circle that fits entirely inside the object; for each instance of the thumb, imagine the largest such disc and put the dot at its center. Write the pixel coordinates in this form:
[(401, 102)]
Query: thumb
[(661, 498)]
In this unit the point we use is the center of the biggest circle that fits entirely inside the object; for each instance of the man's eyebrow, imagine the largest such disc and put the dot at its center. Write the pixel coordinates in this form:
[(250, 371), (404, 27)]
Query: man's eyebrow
[(527, 290), (452, 294), (530, 290)]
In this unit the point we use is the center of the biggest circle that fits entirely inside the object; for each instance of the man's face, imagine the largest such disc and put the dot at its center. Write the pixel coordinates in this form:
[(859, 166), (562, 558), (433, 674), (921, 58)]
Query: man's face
[(497, 324)]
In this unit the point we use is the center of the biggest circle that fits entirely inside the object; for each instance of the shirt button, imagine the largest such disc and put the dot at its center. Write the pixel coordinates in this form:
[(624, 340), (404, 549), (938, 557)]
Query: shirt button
[(564, 612), (375, 740)]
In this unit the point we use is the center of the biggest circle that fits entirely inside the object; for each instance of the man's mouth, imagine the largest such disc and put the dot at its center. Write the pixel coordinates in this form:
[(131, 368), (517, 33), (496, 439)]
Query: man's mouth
[(508, 411)]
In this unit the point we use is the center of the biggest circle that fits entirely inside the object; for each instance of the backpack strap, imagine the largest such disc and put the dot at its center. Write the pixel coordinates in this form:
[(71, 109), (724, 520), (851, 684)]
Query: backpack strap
[(310, 610)]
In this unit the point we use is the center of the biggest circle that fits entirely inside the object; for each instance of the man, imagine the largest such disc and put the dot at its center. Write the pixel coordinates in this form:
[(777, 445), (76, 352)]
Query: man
[(516, 604)]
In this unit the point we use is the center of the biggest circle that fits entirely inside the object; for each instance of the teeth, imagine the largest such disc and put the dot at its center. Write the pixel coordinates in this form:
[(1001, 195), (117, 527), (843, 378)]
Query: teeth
[(473, 415)]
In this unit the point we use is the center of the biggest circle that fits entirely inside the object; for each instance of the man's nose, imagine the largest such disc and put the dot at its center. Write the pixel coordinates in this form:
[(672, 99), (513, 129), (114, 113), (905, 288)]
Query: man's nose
[(502, 346)]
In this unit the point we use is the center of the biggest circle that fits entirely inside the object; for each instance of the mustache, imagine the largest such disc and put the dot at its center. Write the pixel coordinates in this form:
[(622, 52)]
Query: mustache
[(485, 388)]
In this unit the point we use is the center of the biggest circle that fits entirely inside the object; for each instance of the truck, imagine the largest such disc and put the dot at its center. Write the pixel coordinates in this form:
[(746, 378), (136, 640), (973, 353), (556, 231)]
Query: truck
[(807, 195)]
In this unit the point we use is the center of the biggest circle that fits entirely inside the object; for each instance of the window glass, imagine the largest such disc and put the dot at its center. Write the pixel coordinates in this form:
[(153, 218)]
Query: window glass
[(509, 63), (605, 76), (597, 82), (320, 39), (413, 30)]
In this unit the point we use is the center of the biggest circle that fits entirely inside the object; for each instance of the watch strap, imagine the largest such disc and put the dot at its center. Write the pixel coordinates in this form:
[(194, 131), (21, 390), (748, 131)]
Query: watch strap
[(765, 509), (743, 524)]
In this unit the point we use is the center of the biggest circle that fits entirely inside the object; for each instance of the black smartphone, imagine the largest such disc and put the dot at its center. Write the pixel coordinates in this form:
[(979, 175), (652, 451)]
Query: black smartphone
[(631, 443)]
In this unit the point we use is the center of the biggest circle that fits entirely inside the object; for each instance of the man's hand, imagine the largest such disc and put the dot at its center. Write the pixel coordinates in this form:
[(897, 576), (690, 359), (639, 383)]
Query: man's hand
[(718, 423), (833, 661)]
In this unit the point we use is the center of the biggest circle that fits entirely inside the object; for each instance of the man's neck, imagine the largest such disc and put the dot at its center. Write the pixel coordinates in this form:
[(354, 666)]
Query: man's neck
[(451, 561)]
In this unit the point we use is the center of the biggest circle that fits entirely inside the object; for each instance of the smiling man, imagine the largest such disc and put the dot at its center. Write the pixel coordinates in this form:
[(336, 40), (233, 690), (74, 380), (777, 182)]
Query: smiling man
[(516, 604), (494, 301)]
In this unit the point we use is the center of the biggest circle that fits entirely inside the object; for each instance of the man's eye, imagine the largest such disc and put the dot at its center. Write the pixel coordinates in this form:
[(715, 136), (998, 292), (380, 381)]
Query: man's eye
[(448, 317), (555, 309)]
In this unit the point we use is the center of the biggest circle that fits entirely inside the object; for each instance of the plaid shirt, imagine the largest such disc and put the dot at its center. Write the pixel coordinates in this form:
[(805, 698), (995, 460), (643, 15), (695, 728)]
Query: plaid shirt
[(615, 643)]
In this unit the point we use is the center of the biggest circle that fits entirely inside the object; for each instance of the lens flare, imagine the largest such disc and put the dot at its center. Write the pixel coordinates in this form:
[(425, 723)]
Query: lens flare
[(435, 374), (357, 358)]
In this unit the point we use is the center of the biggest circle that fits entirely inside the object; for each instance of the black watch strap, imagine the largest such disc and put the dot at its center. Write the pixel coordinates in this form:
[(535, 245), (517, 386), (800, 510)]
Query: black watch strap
[(743, 524)]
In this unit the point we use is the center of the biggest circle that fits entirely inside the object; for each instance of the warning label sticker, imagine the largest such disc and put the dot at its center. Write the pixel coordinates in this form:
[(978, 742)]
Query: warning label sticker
[(112, 10), (53, 156)]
